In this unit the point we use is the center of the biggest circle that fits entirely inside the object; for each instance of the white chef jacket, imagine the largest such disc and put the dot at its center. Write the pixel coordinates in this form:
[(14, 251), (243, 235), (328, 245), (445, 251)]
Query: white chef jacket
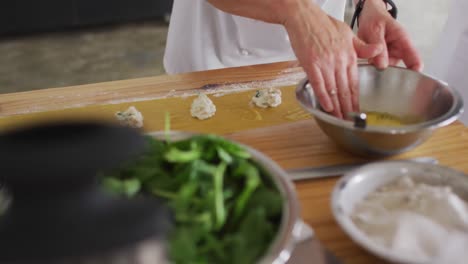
[(450, 59), (202, 37)]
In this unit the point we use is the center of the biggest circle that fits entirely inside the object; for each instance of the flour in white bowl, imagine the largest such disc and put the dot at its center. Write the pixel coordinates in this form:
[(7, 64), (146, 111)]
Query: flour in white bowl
[(416, 220)]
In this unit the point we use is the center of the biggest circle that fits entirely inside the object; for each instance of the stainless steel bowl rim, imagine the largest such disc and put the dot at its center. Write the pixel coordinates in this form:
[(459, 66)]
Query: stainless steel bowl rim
[(291, 226), (450, 116)]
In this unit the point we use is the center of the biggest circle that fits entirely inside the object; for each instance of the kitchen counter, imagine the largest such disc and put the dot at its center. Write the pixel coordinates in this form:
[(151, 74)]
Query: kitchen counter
[(287, 133)]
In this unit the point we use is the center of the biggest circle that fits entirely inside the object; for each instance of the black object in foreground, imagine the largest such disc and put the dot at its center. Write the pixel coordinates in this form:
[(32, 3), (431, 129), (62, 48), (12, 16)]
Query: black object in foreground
[(58, 211)]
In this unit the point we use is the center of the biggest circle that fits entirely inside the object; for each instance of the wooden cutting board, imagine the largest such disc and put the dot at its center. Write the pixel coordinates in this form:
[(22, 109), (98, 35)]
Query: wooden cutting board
[(287, 133), (302, 144), (234, 113)]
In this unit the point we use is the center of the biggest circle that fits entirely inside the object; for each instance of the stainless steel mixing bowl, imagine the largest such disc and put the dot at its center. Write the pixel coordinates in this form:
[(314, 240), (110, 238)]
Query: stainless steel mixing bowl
[(292, 229), (397, 91)]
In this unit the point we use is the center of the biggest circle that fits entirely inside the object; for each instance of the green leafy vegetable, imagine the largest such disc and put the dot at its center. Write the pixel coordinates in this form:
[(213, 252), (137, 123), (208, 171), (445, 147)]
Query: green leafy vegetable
[(220, 211), (129, 187), (175, 155), (167, 125), (225, 207)]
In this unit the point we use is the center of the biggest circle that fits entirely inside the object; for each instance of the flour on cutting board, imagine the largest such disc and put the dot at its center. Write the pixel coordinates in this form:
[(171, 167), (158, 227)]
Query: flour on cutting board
[(224, 89), (285, 78)]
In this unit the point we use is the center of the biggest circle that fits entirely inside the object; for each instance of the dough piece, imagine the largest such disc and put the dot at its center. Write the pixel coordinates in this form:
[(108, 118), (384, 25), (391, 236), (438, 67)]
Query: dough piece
[(202, 107), (130, 117), (270, 97)]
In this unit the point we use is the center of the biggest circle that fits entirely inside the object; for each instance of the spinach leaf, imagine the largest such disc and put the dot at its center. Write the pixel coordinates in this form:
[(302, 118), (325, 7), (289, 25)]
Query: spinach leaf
[(225, 207), (127, 187)]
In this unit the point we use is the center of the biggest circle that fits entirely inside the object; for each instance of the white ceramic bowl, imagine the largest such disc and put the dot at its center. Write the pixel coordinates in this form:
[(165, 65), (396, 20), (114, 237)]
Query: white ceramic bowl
[(357, 184)]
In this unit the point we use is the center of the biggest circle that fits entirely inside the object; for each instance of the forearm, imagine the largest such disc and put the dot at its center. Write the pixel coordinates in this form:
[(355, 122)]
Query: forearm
[(271, 11)]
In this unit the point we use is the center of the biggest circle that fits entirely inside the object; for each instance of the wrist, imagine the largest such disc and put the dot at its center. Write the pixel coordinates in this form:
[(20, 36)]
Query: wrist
[(292, 11)]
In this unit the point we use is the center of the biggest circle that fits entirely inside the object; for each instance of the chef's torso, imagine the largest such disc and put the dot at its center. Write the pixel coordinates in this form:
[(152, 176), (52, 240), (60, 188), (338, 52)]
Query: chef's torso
[(202, 37), (450, 59)]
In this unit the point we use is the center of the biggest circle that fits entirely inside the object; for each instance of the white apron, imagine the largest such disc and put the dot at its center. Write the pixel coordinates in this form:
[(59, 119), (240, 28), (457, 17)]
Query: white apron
[(202, 37), (450, 60)]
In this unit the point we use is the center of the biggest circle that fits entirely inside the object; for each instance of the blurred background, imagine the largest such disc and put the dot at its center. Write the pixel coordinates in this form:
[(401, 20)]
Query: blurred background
[(55, 43)]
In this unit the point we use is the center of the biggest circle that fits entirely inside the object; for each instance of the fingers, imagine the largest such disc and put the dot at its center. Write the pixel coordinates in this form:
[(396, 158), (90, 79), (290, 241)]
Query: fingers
[(381, 61), (404, 50), (393, 61), (336, 83), (411, 57), (401, 48), (326, 57), (366, 51), (318, 85), (376, 35), (344, 90), (334, 93), (353, 78), (332, 90)]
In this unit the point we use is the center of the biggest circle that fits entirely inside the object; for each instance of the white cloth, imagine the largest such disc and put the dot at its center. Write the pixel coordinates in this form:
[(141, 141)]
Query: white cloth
[(450, 61), (202, 37)]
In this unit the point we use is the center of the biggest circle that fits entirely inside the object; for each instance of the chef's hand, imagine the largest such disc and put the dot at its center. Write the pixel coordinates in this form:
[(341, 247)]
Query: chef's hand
[(377, 26), (327, 49)]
